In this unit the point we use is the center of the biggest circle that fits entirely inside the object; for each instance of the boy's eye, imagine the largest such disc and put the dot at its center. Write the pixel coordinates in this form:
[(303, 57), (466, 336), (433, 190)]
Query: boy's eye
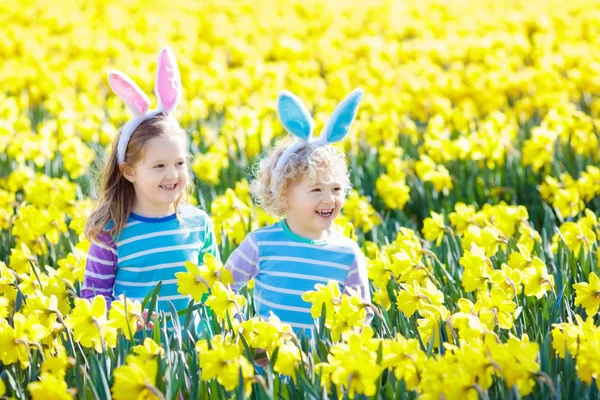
[(180, 163), (316, 190), (159, 166)]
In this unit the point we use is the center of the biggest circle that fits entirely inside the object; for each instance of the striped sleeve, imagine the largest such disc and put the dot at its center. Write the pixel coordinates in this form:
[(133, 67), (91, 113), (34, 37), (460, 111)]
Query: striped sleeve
[(357, 278), (100, 267), (243, 262), (210, 242)]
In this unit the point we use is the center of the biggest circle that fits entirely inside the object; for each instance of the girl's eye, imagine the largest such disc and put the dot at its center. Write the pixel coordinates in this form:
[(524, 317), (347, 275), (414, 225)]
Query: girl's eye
[(159, 166), (337, 189), (181, 163), (316, 190)]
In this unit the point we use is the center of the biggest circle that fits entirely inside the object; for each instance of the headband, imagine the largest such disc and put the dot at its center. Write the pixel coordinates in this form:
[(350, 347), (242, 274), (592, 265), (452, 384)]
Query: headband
[(296, 119), (167, 89)]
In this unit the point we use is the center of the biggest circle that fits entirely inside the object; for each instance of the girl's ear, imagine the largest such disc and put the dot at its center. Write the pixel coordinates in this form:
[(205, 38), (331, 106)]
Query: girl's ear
[(127, 171)]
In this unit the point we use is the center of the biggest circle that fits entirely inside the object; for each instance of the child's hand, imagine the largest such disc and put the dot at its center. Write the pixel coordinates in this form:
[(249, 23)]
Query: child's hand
[(260, 357), (142, 321)]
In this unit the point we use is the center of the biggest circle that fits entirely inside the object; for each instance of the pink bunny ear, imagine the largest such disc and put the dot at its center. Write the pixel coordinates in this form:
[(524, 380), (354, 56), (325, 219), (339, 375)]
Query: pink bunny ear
[(168, 81), (129, 92)]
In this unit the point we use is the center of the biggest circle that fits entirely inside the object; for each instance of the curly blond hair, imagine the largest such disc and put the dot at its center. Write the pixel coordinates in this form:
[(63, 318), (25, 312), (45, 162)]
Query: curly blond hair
[(315, 162)]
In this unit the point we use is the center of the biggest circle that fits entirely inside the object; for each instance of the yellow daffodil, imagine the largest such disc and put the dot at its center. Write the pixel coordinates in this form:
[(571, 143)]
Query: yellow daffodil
[(223, 302), (434, 228), (224, 361), (49, 387), (89, 324), (136, 379), (587, 294), (16, 341), (124, 315)]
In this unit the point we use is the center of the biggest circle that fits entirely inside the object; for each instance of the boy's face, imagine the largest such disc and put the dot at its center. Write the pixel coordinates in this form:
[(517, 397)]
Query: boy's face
[(160, 177), (311, 207)]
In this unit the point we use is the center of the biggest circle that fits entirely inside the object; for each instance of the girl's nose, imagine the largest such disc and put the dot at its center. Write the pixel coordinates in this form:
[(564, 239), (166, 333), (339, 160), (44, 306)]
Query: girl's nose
[(172, 173)]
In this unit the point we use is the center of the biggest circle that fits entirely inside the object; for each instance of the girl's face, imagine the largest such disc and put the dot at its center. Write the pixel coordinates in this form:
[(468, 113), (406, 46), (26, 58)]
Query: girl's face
[(311, 207), (160, 177)]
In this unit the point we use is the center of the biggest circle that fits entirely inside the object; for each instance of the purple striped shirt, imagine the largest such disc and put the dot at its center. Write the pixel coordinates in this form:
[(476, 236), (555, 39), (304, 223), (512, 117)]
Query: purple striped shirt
[(100, 269)]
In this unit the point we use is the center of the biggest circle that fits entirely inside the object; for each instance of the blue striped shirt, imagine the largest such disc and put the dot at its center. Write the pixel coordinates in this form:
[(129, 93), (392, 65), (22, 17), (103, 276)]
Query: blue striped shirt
[(149, 251), (285, 265)]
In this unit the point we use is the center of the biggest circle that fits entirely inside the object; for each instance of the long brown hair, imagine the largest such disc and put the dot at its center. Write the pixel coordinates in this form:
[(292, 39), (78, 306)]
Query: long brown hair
[(117, 194)]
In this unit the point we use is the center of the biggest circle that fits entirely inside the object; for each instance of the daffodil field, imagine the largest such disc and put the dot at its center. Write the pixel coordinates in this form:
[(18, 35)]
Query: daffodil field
[(475, 169)]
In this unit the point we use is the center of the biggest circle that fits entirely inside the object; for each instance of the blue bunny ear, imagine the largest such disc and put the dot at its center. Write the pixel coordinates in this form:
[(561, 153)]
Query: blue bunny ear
[(294, 116), (338, 124)]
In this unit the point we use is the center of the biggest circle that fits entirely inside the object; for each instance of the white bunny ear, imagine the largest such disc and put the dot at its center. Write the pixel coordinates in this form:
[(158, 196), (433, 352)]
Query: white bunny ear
[(168, 81), (128, 91)]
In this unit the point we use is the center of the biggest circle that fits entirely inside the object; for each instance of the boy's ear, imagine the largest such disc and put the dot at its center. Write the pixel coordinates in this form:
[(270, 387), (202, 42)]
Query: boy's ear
[(284, 203), (127, 171)]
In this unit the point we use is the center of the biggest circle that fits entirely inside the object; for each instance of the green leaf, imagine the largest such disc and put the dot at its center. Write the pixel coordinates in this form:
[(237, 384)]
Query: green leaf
[(97, 375), (153, 301), (148, 297), (188, 314)]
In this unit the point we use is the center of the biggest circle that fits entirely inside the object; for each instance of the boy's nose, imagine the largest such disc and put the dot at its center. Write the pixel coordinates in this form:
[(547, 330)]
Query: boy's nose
[(329, 198)]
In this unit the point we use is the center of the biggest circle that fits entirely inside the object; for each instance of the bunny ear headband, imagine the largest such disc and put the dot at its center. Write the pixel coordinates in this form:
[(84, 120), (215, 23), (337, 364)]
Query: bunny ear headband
[(167, 89), (296, 119)]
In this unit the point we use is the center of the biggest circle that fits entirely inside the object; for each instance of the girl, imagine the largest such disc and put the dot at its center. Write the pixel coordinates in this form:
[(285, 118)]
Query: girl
[(142, 231), (305, 182)]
